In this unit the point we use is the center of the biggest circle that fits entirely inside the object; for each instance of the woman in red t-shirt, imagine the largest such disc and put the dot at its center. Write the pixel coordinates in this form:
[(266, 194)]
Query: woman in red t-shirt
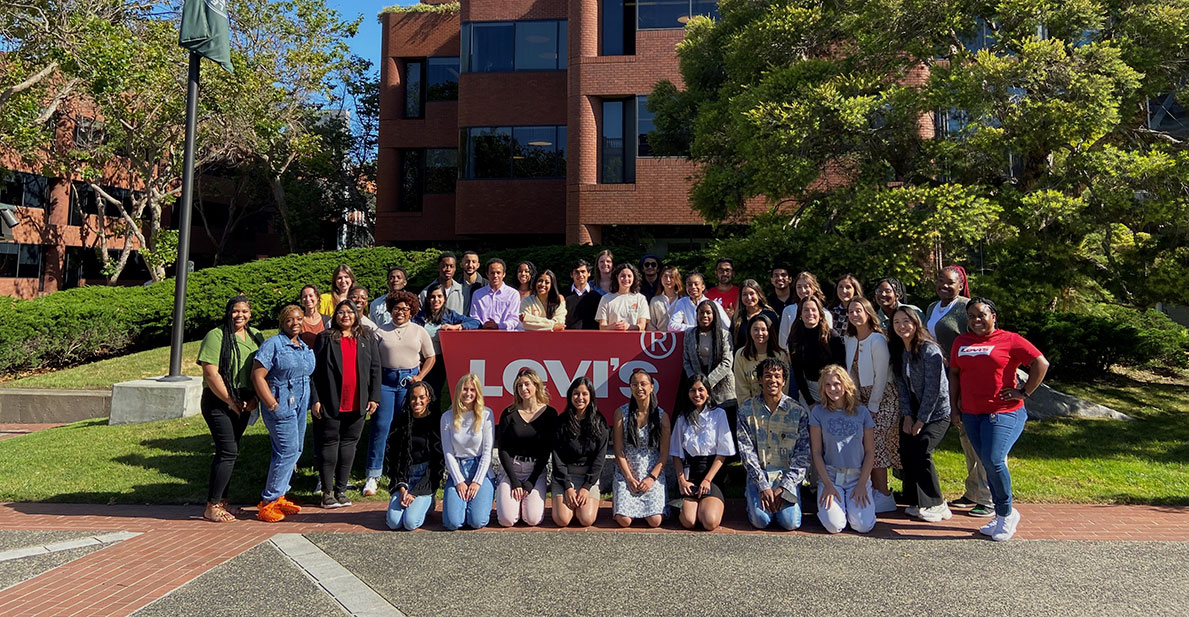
[(985, 391)]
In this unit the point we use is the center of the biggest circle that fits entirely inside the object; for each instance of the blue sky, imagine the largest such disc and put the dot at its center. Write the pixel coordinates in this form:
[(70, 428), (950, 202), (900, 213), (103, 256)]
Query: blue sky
[(366, 43)]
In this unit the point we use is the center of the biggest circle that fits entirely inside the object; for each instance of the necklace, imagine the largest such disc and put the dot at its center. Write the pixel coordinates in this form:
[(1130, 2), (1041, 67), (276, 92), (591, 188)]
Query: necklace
[(400, 331)]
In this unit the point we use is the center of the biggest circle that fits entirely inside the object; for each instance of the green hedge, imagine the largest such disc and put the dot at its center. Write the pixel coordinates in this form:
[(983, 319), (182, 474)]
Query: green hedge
[(1084, 345), (81, 325)]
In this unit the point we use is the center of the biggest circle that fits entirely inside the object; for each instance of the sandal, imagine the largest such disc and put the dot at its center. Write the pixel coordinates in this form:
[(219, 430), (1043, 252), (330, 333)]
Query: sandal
[(216, 513)]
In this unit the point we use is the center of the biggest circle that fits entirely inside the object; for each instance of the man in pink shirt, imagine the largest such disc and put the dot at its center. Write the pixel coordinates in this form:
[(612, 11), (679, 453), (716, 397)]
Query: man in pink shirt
[(496, 305)]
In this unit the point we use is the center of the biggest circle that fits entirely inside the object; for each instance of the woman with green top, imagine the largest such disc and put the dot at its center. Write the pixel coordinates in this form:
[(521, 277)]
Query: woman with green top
[(228, 399)]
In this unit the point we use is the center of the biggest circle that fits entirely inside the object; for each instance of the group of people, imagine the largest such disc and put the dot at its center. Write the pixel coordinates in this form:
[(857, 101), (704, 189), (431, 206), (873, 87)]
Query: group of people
[(804, 391)]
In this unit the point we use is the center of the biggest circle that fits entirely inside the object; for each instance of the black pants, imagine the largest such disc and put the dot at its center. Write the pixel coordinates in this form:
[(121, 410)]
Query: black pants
[(227, 427), (336, 439), (436, 378), (921, 486)]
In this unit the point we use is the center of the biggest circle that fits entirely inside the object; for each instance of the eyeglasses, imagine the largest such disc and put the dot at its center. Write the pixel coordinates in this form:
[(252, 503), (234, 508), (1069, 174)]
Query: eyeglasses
[(402, 309)]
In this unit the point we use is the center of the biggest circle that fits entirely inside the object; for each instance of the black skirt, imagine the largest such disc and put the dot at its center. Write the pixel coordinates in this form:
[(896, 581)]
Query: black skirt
[(697, 467)]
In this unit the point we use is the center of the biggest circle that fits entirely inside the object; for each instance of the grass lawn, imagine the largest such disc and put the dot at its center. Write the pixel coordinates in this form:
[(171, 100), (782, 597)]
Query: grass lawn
[(1066, 460), (102, 374)]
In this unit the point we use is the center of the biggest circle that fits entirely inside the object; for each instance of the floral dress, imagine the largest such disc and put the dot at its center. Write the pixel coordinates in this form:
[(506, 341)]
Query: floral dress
[(641, 460), (887, 427)]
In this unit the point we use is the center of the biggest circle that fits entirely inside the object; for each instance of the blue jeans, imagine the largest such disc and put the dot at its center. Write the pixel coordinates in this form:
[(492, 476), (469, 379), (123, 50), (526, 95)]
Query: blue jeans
[(788, 516), (413, 516), (283, 433), (475, 513), (392, 401), (993, 435)]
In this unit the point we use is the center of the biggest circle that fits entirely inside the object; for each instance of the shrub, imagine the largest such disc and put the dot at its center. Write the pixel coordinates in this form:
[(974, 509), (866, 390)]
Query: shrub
[(1083, 345), (85, 324)]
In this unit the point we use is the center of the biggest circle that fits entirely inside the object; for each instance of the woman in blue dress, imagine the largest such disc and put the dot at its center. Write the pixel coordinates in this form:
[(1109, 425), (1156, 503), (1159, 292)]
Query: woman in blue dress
[(281, 376), (641, 437)]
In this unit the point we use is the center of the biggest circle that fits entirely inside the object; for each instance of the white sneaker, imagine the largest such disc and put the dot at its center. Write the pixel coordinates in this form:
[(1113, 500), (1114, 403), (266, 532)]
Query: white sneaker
[(912, 511), (992, 526), (883, 502), (1008, 528), (369, 487), (936, 514)]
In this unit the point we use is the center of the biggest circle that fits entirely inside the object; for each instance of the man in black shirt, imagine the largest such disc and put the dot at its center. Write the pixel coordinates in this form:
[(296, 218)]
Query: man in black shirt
[(782, 296), (582, 301)]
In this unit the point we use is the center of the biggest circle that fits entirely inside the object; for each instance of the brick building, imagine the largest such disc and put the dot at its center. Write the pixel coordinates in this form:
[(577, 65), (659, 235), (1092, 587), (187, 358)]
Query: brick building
[(525, 120)]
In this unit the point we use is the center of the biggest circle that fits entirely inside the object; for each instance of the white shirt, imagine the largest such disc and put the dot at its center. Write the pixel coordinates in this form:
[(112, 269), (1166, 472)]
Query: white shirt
[(874, 362), (789, 316), (466, 443), (683, 315), (711, 437), (629, 307), (659, 309), (938, 313)]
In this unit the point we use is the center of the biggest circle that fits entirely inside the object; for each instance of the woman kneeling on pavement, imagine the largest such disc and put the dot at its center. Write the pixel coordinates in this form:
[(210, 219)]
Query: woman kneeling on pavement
[(281, 375), (414, 460), (842, 444)]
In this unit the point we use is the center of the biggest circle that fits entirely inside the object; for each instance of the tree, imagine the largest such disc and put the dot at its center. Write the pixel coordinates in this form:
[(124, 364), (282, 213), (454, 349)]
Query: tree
[(1017, 130)]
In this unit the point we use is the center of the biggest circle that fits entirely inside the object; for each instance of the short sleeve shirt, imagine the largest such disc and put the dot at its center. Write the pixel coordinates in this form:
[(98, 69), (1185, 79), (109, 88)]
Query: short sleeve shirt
[(403, 347), (986, 365), (711, 436), (842, 435), (629, 307), (212, 343)]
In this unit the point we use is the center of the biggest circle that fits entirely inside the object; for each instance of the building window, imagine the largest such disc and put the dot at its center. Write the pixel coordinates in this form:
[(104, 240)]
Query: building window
[(412, 183), (441, 79), (22, 261), (617, 28), (1167, 115), (500, 47), (616, 164), (667, 14), (644, 126), (441, 170), (514, 152), (414, 92), (84, 198), (982, 37), (23, 189), (88, 133)]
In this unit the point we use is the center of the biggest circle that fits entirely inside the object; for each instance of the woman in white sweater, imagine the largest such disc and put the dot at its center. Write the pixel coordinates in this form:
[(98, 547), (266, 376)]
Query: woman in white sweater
[(467, 440), (869, 364)]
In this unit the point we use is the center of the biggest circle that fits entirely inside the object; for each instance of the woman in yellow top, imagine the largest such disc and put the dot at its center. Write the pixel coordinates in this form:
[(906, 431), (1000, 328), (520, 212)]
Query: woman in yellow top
[(340, 286), (544, 309), (760, 344)]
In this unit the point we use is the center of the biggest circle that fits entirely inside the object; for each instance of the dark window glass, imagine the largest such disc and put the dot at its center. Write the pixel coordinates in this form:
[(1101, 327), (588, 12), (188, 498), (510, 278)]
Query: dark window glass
[(413, 93), (441, 170), (412, 181), (8, 259), (563, 42), (1166, 114), (490, 152), (88, 133), (535, 152), (658, 14), (982, 37), (612, 34), (441, 79), (29, 261), (81, 198), (536, 45), (704, 7), (124, 196), (613, 163), (561, 150), (492, 46), (464, 43), (12, 189), (36, 191), (644, 126)]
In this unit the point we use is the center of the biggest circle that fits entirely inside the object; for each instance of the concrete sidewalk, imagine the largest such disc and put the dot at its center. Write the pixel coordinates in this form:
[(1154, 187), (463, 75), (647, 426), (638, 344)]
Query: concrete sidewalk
[(176, 546)]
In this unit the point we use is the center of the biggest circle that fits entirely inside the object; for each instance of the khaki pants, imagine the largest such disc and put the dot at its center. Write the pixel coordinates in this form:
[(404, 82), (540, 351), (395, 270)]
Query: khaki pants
[(976, 475)]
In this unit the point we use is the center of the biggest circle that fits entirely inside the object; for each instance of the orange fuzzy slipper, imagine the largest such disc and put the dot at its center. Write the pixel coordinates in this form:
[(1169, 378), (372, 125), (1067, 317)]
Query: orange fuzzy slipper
[(286, 506), (270, 512)]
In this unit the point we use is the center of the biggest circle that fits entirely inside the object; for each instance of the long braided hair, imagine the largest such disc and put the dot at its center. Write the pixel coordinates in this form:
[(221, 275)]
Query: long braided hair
[(229, 357)]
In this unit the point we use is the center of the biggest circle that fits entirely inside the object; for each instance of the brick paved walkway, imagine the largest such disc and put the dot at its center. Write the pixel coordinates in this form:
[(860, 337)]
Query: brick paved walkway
[(176, 545), (8, 431)]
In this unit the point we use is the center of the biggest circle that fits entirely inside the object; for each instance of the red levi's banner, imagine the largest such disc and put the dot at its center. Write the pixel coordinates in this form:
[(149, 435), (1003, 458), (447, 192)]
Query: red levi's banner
[(606, 358)]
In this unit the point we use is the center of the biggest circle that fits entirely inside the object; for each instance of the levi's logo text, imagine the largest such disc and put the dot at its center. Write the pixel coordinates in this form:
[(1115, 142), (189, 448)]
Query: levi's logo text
[(975, 350), (608, 359)]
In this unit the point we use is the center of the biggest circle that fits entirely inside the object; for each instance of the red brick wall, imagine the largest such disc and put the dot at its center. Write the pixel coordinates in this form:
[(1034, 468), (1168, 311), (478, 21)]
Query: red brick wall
[(517, 99), (509, 10), (435, 223), (511, 207)]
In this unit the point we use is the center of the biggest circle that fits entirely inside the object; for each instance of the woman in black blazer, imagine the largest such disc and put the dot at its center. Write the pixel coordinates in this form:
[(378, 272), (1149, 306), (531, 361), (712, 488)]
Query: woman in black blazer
[(345, 390)]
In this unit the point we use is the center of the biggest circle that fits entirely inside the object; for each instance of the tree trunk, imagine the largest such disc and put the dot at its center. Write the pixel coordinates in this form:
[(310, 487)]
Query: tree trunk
[(278, 195)]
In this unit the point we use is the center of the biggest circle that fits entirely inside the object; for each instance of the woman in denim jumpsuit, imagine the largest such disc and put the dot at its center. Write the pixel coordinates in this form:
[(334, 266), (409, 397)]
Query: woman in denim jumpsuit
[(281, 376)]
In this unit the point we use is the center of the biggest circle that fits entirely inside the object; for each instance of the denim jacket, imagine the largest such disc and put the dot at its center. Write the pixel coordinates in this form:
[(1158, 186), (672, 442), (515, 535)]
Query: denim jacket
[(923, 386), (774, 447)]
